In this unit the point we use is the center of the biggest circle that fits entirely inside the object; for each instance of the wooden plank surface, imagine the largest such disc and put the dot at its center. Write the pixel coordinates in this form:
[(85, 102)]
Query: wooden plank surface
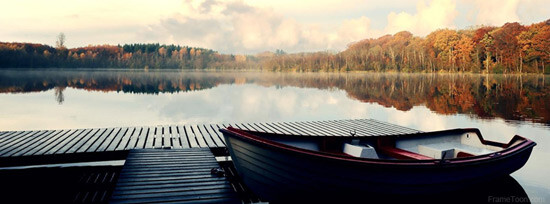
[(142, 137), (70, 140), (132, 141), (62, 141), (150, 139), (30, 140), (48, 142), (183, 137), (216, 135), (84, 139), (103, 145), (204, 135), (119, 140), (191, 137), (172, 175), (198, 136), (37, 144)]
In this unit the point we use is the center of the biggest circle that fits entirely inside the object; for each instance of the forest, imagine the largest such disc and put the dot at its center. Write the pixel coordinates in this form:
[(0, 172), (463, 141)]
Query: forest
[(511, 48)]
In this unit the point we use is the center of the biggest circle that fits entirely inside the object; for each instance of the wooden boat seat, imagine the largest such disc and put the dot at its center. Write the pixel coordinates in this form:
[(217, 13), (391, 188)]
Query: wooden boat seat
[(386, 146), (357, 150), (401, 153), (451, 149)]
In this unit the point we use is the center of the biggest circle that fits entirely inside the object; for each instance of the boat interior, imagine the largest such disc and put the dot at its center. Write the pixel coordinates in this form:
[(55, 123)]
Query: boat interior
[(449, 144)]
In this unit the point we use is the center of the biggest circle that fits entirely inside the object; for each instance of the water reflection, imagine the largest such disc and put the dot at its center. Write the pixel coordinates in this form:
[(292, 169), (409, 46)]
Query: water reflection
[(59, 97), (510, 97), (500, 106), (500, 190)]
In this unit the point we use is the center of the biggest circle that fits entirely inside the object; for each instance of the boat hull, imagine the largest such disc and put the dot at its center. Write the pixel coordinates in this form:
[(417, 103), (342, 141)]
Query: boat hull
[(276, 173)]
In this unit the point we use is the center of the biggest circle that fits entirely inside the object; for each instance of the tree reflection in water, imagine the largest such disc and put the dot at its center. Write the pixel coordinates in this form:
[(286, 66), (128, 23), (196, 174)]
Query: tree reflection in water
[(511, 97), (59, 94)]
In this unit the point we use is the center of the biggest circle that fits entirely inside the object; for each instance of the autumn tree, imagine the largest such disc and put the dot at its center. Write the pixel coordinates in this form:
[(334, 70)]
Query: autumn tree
[(480, 50), (465, 49), (506, 46), (535, 44), (444, 43)]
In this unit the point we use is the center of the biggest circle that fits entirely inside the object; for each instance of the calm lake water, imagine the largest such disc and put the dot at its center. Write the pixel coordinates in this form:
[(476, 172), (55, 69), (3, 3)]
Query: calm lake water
[(500, 106)]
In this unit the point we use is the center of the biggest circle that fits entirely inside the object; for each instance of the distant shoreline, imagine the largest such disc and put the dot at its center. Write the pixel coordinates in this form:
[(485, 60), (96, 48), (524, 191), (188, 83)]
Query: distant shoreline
[(510, 49), (259, 71)]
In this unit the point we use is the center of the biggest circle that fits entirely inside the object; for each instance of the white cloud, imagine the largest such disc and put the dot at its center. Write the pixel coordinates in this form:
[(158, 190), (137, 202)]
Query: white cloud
[(237, 27), (531, 11), (354, 29), (437, 14), (250, 26), (497, 12), (429, 122)]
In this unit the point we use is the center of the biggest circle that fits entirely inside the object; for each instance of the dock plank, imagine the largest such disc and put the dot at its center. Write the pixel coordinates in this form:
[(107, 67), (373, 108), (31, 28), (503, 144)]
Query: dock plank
[(115, 141), (13, 136), (343, 129), (214, 134), (403, 129), (309, 129), (37, 144), (76, 141), (132, 141), (70, 136), (46, 143), (104, 140), (312, 129), (31, 139), (146, 178), (120, 139), (329, 128), (151, 135), (242, 126), (263, 128), (200, 138), (18, 137), (183, 137), (2, 133), (208, 138), (191, 137), (80, 141), (166, 137), (216, 129), (62, 147), (254, 127), (94, 141), (293, 129), (366, 129), (9, 135), (141, 139), (112, 140), (272, 128), (204, 138), (175, 137), (279, 128), (380, 128)]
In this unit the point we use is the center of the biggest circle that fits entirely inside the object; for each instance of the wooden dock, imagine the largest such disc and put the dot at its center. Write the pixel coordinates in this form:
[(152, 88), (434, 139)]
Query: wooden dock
[(172, 175), (169, 163), (99, 144)]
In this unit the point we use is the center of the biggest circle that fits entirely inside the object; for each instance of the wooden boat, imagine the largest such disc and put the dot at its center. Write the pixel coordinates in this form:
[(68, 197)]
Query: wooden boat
[(280, 167)]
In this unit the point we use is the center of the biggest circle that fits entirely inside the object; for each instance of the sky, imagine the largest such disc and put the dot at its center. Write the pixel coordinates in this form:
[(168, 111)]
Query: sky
[(250, 26)]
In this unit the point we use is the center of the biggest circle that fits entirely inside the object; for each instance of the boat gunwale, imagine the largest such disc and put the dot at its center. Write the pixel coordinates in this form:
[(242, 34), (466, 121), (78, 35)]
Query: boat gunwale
[(509, 150)]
